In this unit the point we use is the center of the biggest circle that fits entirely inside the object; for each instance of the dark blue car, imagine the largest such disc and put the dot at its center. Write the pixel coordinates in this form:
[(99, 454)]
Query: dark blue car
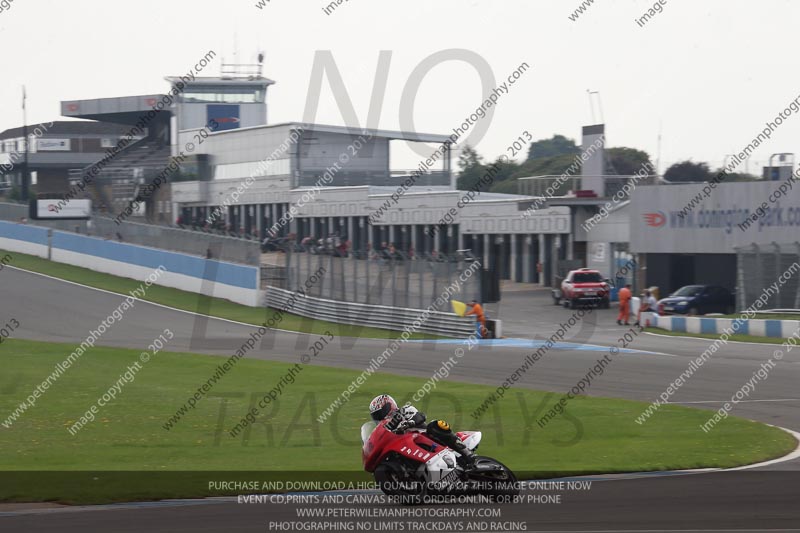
[(698, 300)]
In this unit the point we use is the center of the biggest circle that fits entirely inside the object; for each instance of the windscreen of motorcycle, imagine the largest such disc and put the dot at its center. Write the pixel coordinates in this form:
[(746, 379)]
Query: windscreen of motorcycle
[(367, 429)]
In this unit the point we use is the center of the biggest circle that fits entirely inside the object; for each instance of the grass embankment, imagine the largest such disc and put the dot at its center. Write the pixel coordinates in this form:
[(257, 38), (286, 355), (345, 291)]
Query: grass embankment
[(198, 303), (598, 435)]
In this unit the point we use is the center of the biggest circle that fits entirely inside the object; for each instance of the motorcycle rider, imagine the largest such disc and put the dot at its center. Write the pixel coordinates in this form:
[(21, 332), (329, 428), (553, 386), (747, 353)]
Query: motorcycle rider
[(408, 417)]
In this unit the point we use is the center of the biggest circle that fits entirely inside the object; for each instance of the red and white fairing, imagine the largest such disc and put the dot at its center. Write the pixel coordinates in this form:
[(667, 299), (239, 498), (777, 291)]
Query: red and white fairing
[(437, 463)]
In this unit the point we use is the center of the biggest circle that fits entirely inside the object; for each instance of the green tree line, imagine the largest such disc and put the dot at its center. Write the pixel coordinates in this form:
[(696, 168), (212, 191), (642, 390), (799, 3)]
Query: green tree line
[(555, 155)]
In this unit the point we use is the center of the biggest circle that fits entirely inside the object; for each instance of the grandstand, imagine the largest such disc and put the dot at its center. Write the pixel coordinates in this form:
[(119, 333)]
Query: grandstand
[(121, 181), (236, 100)]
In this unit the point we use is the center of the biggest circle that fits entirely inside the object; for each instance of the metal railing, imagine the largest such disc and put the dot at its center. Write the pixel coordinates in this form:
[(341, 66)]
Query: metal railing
[(169, 238), (761, 266), (377, 316), (111, 174), (547, 185), (558, 186), (13, 212), (356, 178), (391, 279)]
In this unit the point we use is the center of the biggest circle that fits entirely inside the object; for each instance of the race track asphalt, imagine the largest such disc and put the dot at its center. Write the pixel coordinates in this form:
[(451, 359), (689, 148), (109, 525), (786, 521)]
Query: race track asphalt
[(763, 499)]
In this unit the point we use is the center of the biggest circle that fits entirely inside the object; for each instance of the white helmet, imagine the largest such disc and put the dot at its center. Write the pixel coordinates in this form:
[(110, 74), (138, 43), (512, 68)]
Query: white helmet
[(381, 407)]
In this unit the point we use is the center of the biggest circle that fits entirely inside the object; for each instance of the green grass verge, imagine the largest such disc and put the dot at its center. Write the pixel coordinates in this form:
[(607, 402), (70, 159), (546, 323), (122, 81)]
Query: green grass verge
[(765, 316), (596, 435), (714, 336), (198, 303)]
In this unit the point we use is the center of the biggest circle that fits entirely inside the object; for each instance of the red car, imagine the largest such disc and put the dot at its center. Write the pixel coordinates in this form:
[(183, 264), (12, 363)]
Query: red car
[(582, 287)]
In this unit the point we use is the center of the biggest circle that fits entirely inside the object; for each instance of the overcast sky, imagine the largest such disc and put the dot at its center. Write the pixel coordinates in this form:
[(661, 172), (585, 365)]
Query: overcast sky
[(707, 74)]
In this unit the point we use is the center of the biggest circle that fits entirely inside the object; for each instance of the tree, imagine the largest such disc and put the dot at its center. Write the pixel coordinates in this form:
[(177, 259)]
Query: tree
[(507, 187), (469, 158), (15, 194), (547, 166), (688, 171), (557, 145), (628, 161), (472, 168), (501, 177)]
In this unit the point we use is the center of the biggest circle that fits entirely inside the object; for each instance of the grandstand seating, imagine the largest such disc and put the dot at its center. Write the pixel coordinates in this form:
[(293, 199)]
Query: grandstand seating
[(120, 181)]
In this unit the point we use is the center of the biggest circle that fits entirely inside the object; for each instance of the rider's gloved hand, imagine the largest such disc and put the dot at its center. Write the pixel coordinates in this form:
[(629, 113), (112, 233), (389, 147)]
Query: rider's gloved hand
[(413, 415), (402, 426), (404, 418), (408, 411)]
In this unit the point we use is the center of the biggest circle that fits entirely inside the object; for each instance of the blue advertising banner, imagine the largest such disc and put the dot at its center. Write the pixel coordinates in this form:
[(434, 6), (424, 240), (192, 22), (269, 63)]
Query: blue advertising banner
[(222, 117)]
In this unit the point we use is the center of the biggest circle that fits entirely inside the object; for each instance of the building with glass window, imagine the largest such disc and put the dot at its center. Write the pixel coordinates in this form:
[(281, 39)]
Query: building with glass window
[(224, 165), (54, 148)]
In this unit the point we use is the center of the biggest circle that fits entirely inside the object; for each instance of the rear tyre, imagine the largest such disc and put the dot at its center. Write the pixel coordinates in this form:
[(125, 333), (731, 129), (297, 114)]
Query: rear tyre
[(605, 304), (573, 304), (694, 311), (495, 477)]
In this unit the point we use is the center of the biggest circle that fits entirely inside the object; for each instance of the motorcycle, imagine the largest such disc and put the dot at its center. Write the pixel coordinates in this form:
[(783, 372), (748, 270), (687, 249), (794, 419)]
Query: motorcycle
[(411, 466)]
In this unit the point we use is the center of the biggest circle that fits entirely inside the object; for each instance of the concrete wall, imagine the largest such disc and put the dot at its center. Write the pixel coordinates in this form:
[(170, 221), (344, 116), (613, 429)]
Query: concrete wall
[(593, 169), (29, 240), (237, 283), (321, 150), (242, 145), (502, 216), (712, 227), (781, 329)]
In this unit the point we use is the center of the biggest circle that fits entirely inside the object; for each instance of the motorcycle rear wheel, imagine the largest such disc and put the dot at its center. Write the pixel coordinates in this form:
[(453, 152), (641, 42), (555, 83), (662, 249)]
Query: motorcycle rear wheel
[(497, 478)]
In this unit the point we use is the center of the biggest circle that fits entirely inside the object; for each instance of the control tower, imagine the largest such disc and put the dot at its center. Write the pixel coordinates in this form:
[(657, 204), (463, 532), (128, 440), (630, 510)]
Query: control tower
[(235, 99)]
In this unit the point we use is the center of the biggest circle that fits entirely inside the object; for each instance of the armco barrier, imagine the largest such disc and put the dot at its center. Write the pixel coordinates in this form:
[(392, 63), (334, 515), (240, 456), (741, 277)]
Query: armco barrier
[(238, 283), (781, 329), (378, 316)]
